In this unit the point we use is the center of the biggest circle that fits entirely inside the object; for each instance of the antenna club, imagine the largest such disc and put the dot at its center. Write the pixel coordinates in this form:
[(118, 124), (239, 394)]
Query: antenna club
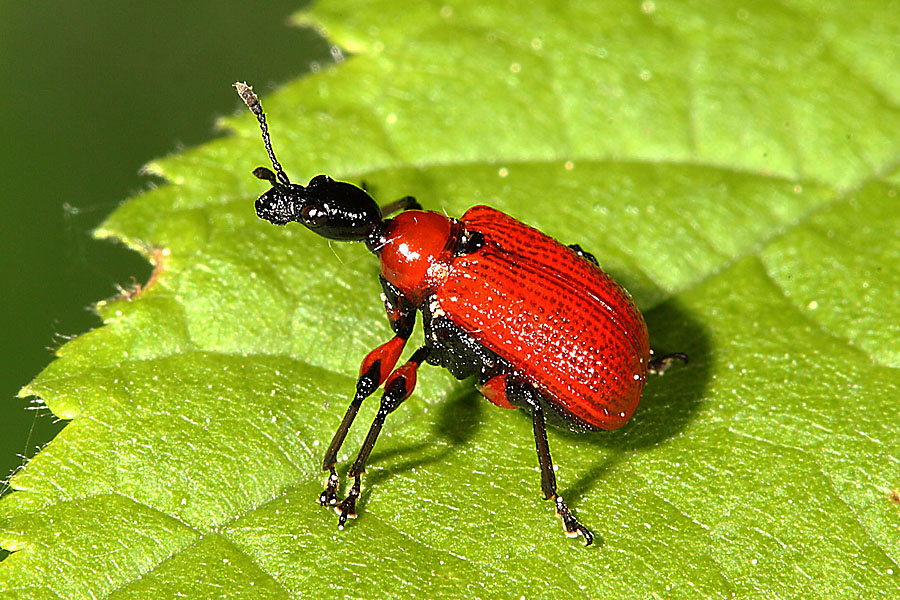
[(249, 97), (252, 101)]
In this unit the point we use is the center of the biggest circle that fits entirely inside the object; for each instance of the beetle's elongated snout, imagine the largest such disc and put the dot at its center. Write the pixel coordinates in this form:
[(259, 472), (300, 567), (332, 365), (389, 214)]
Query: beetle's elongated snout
[(280, 204), (277, 206)]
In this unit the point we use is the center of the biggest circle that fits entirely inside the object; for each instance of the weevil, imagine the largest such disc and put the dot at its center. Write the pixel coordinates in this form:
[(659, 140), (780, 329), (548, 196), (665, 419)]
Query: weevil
[(537, 324)]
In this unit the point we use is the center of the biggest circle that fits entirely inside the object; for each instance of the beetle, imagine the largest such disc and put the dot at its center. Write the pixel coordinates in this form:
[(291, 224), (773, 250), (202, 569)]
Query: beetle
[(536, 323)]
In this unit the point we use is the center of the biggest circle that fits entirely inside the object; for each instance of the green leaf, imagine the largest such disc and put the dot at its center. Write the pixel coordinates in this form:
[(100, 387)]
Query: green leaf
[(735, 168)]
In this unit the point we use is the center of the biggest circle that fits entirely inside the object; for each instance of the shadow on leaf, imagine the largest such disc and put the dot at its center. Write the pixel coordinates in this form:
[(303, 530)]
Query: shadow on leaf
[(667, 406)]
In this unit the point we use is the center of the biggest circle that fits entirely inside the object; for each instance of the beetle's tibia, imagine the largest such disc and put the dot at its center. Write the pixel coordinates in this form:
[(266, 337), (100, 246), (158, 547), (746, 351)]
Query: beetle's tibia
[(347, 508)]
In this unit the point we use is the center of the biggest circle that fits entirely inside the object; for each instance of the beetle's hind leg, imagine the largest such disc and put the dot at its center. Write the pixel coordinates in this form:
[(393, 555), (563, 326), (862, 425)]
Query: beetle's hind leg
[(397, 388), (522, 393), (585, 254), (658, 366)]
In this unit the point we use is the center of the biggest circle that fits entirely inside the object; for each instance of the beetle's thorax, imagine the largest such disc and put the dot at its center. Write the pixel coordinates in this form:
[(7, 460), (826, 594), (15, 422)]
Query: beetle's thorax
[(416, 250)]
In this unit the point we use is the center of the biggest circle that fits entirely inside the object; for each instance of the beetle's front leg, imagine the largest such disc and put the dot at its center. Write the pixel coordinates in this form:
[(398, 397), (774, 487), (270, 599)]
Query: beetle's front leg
[(375, 368), (404, 203), (398, 388)]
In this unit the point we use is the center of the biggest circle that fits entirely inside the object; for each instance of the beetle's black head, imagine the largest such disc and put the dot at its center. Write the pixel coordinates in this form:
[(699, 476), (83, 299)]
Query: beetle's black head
[(333, 209)]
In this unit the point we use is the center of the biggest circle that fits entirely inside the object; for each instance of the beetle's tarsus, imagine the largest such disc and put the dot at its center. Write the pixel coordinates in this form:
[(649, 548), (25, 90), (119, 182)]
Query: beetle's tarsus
[(584, 254), (658, 366), (347, 508), (571, 524), (329, 494)]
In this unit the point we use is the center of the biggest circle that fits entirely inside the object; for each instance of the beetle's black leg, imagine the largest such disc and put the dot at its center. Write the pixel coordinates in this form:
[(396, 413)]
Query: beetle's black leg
[(397, 389), (531, 397), (404, 203), (585, 255), (375, 368), (367, 383), (659, 365)]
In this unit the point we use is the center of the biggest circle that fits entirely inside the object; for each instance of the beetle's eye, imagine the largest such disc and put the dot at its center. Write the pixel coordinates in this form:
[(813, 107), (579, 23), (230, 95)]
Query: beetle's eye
[(313, 216)]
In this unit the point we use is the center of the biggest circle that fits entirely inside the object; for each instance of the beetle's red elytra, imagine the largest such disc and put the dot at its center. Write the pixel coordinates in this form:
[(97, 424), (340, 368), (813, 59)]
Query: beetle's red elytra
[(538, 324)]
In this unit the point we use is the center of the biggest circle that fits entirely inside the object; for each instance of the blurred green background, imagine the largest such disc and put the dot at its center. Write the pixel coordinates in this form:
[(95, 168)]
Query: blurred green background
[(93, 91)]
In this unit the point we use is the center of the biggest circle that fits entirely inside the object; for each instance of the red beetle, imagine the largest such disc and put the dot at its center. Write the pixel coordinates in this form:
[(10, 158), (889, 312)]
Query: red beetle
[(537, 323)]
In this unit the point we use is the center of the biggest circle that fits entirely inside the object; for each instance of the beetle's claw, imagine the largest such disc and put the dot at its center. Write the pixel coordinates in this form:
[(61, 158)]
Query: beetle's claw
[(329, 494), (579, 529), (570, 523)]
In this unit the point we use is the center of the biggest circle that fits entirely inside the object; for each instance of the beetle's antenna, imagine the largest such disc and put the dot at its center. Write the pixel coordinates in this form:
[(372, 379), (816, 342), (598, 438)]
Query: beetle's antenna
[(252, 101)]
